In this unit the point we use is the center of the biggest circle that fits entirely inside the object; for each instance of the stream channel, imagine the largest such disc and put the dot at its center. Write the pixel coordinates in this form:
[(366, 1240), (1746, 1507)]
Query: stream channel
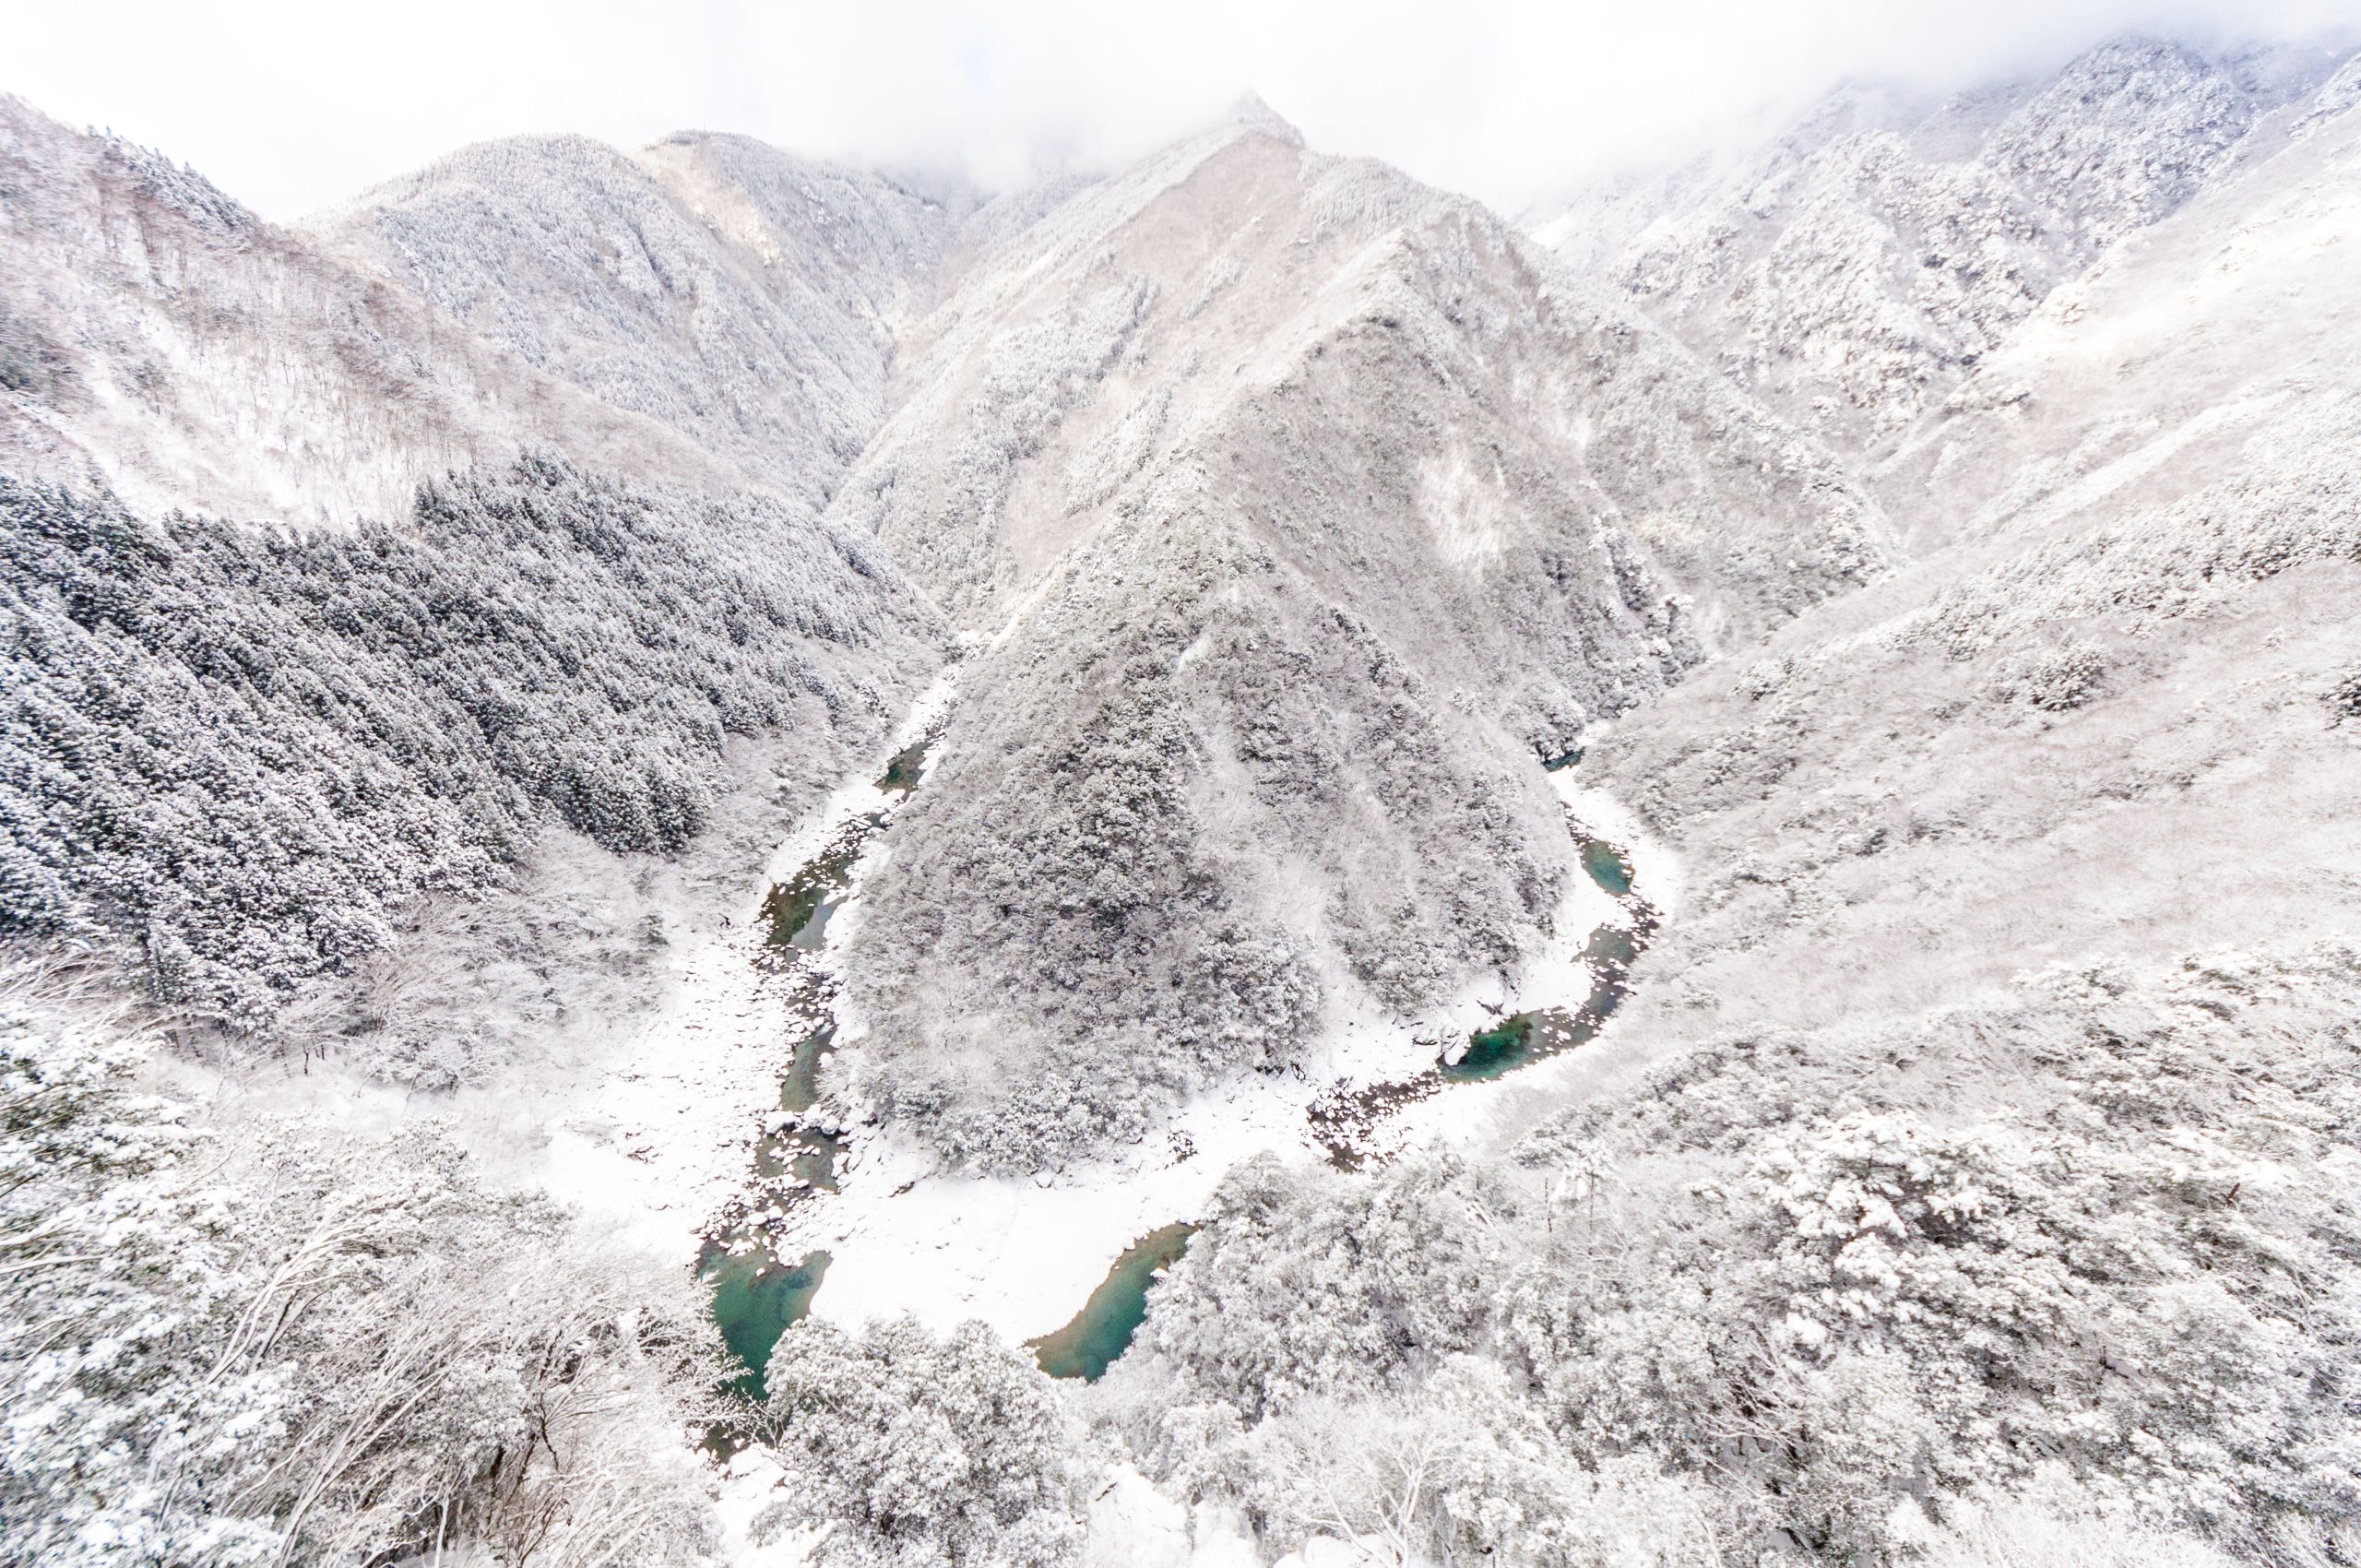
[(759, 1292)]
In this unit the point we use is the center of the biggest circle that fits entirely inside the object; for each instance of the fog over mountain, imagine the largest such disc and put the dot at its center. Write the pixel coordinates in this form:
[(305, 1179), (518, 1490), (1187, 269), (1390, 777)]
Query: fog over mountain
[(1207, 858)]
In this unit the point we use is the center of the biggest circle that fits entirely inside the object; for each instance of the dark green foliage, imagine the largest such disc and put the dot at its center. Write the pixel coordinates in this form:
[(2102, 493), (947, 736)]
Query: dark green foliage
[(2345, 697)]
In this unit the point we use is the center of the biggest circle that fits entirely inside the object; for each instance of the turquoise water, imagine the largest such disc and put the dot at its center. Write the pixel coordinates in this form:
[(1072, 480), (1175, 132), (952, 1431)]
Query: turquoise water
[(1524, 1038), (755, 1299), (1494, 1051), (1610, 952), (1607, 866), (1562, 760), (801, 1088), (807, 1154), (902, 773), (1520, 1038), (797, 909), (812, 1158), (1102, 1331)]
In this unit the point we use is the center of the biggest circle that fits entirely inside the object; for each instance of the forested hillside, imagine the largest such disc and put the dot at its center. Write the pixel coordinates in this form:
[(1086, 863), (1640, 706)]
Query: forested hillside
[(745, 298), (272, 1341), (1965, 1181), (2046, 1278), (1669, 887), (159, 340), (240, 756), (1855, 268), (1304, 550)]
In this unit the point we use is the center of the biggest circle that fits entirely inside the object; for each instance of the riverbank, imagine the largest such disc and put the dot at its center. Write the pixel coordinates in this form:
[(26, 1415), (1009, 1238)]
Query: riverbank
[(1023, 1254), (661, 1141)]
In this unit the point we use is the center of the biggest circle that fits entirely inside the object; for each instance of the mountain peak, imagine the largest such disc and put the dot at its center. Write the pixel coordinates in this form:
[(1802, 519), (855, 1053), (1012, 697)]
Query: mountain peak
[(1250, 113)]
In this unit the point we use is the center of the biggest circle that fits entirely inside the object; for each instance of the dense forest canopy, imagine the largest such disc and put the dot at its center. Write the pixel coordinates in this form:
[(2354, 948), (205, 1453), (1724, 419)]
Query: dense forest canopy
[(242, 752), (595, 724)]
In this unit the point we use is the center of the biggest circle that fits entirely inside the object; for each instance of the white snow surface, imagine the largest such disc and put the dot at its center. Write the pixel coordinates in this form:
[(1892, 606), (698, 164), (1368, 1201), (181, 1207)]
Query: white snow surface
[(905, 1234), (666, 1133), (156, 337)]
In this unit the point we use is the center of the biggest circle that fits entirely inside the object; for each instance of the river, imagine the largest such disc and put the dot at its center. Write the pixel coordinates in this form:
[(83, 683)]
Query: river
[(768, 1259)]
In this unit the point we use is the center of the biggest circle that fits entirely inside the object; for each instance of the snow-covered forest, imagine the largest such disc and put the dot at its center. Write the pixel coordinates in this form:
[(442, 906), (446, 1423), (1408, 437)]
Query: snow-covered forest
[(237, 756), (1665, 881), (275, 1342)]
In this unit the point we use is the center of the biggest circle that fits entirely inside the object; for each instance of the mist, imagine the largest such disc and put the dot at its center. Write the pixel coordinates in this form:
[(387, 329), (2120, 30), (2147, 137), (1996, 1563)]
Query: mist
[(294, 108)]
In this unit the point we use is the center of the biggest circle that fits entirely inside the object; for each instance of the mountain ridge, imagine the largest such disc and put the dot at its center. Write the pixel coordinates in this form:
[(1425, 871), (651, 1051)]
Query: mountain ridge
[(223, 364), (1858, 265), (604, 741)]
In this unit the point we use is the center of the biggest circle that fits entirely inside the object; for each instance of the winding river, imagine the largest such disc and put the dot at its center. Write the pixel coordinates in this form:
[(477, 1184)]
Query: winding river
[(757, 1295), (762, 1283)]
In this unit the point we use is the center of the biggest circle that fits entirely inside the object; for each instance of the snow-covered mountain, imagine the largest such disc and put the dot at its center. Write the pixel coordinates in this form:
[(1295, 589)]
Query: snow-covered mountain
[(2123, 634), (746, 298), (1854, 268), (159, 338), (1927, 543), (1305, 510)]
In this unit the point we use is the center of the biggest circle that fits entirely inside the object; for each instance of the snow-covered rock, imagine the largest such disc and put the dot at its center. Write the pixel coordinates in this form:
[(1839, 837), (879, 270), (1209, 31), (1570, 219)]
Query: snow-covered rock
[(744, 297), (1304, 509), (159, 338), (1855, 268)]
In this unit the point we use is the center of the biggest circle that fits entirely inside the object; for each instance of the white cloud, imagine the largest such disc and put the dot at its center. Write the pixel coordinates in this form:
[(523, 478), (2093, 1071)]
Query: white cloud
[(295, 106)]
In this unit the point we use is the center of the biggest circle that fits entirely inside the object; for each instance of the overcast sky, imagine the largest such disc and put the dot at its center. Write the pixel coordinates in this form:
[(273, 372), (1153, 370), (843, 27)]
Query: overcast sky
[(294, 107)]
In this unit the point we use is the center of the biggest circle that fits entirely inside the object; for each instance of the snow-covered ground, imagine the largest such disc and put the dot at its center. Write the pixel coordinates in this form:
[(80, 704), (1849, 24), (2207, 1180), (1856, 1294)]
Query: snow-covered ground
[(663, 1137), (907, 1235)]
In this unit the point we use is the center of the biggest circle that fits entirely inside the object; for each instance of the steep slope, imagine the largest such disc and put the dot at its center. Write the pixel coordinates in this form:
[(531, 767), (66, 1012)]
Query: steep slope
[(1968, 1178), (158, 339), (2146, 376), (2132, 644), (1854, 269), (401, 777), (742, 296), (240, 762), (243, 755), (1306, 512)]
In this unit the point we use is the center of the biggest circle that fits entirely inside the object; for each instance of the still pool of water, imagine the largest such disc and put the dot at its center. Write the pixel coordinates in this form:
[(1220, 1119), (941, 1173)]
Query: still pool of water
[(1102, 1331), (800, 1088), (1520, 1039), (1524, 1038), (755, 1301), (902, 773), (1607, 866), (798, 910)]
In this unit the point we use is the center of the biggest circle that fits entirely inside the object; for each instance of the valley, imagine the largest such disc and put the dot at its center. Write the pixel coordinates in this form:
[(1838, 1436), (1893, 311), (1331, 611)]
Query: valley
[(1211, 860), (945, 1246)]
